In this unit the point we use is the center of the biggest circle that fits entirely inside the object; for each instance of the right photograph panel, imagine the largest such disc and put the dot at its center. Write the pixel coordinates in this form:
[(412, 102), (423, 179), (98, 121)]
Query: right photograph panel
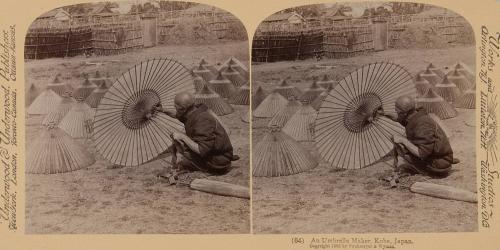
[(363, 120)]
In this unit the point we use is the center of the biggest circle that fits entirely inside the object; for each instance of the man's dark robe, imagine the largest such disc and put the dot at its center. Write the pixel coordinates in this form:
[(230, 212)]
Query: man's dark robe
[(434, 147), (216, 151)]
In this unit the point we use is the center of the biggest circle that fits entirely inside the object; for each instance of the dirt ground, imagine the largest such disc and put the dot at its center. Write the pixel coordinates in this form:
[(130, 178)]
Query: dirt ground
[(107, 199), (328, 200)]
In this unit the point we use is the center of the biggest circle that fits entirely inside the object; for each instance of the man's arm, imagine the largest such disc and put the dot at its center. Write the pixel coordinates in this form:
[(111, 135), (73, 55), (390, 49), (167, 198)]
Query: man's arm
[(408, 145), (159, 108), (187, 141), (380, 112)]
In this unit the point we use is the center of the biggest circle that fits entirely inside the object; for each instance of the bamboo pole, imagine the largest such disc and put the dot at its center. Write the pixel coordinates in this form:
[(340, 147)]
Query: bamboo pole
[(444, 192), (220, 188)]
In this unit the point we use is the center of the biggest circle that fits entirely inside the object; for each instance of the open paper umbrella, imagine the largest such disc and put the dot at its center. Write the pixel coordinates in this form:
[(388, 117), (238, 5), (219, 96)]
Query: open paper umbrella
[(78, 120), (95, 97), (205, 73), (448, 90), (436, 70), (44, 103), (213, 101), (422, 85), (348, 133), (258, 97), (284, 114), (312, 92), (56, 152), (59, 87), (270, 106), (57, 114), (236, 65), (278, 154), (32, 94), (222, 86), (460, 80), (287, 90), (431, 77), (242, 95), (327, 83), (127, 131), (466, 71), (208, 66), (97, 78), (234, 76), (84, 90), (301, 125), (433, 103), (467, 100)]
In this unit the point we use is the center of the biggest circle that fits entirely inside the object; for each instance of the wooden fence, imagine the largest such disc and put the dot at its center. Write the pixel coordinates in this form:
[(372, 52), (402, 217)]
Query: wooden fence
[(117, 34), (346, 38)]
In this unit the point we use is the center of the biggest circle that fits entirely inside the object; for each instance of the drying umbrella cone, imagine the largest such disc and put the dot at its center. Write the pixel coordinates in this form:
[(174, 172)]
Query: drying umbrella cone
[(78, 121), (245, 117), (236, 65), (59, 87), (84, 90), (222, 86), (96, 96), (431, 77), (205, 73), (448, 90), (234, 76), (213, 101), (433, 103), (327, 83), (287, 90), (284, 114), (467, 100), (198, 81), (44, 103), (97, 79), (208, 66), (422, 85), (242, 96), (460, 80), (270, 106), (54, 151), (311, 93), (466, 71), (348, 132), (32, 94), (436, 70), (258, 97), (55, 116), (301, 125), (277, 154), (316, 104)]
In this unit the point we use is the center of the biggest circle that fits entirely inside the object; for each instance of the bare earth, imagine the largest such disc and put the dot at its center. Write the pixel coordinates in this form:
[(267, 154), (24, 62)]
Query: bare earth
[(107, 199), (327, 200)]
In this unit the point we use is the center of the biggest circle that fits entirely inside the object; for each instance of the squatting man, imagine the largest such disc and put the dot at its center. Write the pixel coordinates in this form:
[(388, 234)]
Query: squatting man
[(205, 146), (426, 148)]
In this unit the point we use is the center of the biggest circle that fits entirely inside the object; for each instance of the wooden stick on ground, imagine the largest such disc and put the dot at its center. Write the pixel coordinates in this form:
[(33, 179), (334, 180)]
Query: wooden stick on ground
[(442, 191), (220, 188)]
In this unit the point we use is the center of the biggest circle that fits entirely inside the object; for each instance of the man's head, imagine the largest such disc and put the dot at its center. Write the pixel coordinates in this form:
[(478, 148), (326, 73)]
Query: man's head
[(405, 105), (183, 102)]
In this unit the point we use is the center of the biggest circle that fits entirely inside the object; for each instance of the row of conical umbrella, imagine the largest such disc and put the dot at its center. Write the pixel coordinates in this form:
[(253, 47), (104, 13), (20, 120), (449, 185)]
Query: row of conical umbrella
[(219, 88), (67, 115), (440, 93), (292, 116)]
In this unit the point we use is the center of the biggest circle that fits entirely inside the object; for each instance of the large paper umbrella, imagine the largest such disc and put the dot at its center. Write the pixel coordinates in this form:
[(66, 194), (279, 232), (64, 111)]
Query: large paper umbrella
[(348, 132), (125, 132)]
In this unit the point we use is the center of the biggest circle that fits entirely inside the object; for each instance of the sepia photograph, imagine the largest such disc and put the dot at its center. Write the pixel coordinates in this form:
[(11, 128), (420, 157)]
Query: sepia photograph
[(137, 120), (363, 120)]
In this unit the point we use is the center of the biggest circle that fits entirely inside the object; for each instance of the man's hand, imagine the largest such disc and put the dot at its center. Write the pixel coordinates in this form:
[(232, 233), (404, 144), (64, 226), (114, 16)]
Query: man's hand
[(178, 136)]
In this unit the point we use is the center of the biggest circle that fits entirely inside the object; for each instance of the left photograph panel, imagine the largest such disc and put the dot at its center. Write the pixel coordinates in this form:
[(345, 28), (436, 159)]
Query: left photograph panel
[(137, 120)]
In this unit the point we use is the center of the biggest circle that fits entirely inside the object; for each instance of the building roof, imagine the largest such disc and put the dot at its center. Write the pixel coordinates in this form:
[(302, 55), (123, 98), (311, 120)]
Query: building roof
[(53, 13), (281, 17)]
